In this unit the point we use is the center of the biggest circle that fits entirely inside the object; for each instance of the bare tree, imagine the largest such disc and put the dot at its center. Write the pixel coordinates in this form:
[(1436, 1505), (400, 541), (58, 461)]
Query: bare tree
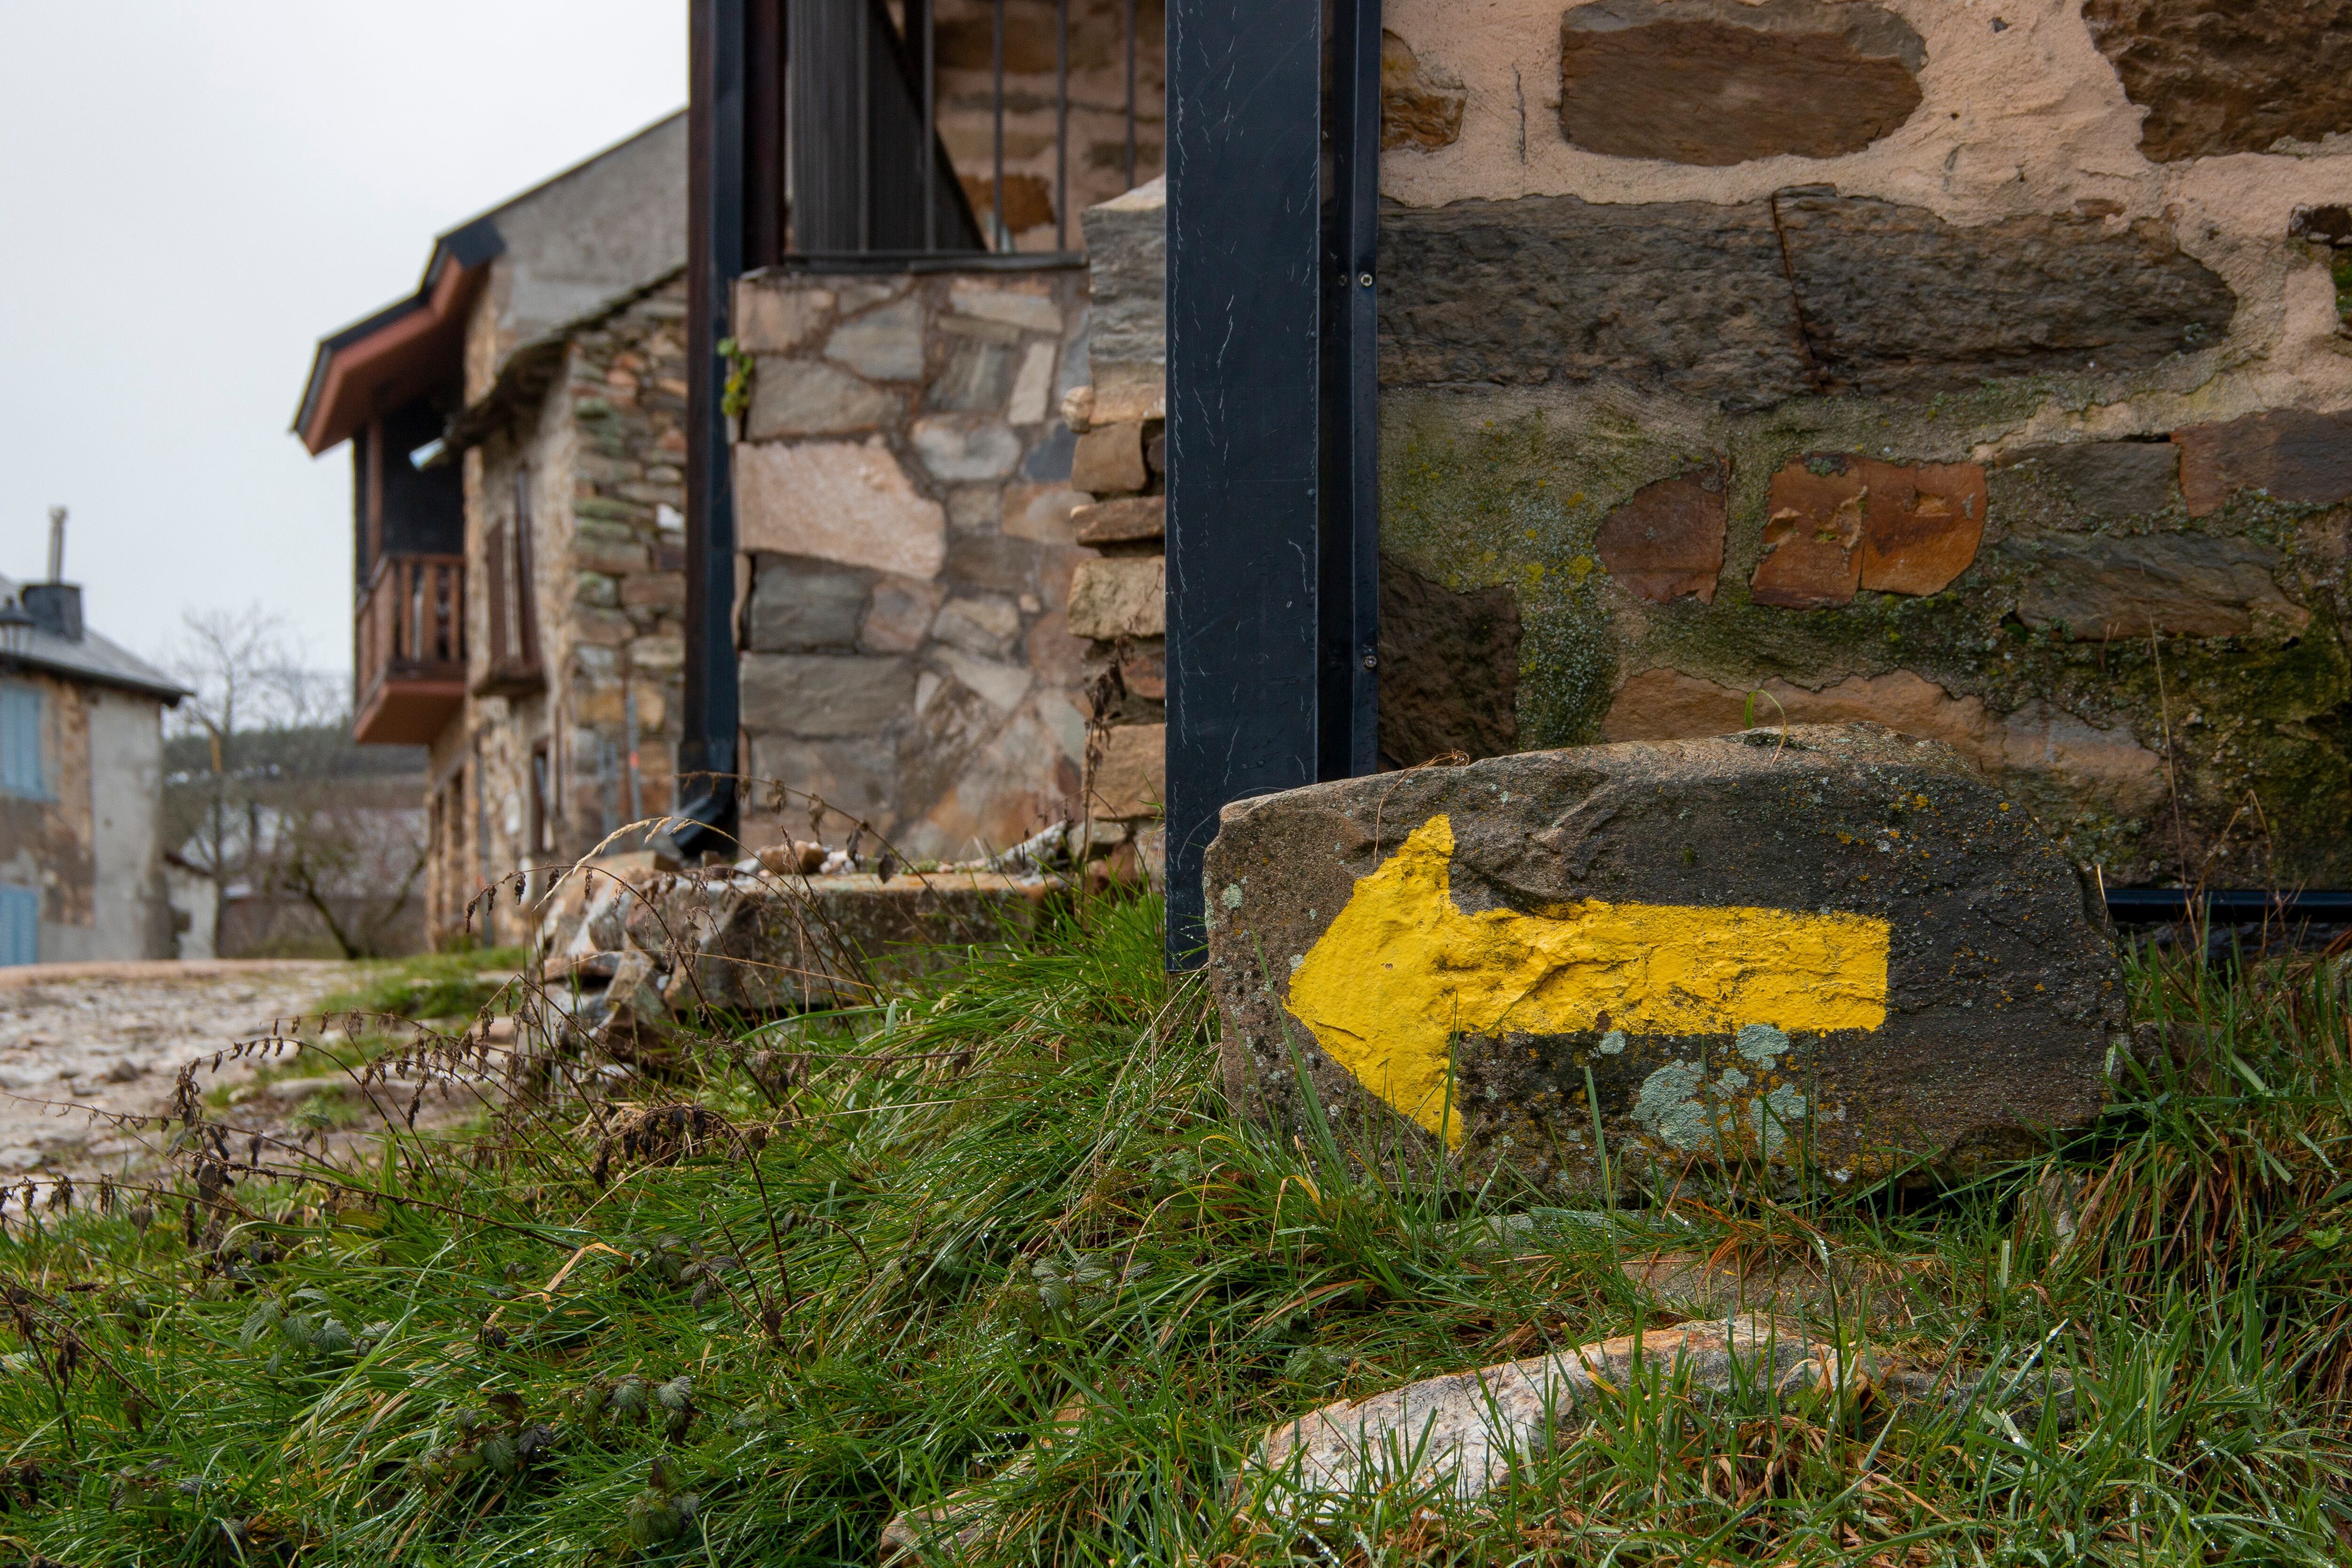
[(267, 795)]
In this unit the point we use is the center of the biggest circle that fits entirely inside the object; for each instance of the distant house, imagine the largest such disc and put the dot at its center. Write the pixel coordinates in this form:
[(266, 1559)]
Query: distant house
[(81, 753), (517, 435)]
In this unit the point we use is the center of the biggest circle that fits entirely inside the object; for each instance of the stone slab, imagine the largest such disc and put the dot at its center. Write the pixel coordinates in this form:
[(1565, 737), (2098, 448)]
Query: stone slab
[(2108, 478), (1110, 459), (884, 344), (1132, 779), (800, 606), (1716, 82), (809, 398), (840, 502), (1666, 541), (2099, 587), (1833, 942), (1449, 670), (1421, 104), (1123, 522), (2233, 78), (2293, 456), (1125, 596), (825, 694)]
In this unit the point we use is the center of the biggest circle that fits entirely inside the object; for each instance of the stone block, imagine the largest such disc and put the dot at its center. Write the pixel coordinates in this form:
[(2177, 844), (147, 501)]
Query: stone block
[(900, 615), (1125, 596), (977, 380), (2099, 588), (1666, 541), (1836, 522), (1146, 674), (1449, 670), (770, 319), (799, 605), (854, 775), (1029, 310), (1698, 298), (824, 695), (1710, 82), (2292, 455), (1003, 686), (809, 398), (1007, 564), (660, 589), (1132, 778), (1043, 514), (661, 654), (609, 558), (2229, 79), (1127, 280), (2106, 478), (1033, 386), (1420, 105), (1131, 520), (884, 344), (1836, 944), (837, 502), (597, 589), (982, 624), (1109, 460), (965, 445), (603, 629)]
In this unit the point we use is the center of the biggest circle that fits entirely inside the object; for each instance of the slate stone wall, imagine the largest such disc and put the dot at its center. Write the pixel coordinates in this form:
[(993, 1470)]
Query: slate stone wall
[(1986, 375), (903, 497)]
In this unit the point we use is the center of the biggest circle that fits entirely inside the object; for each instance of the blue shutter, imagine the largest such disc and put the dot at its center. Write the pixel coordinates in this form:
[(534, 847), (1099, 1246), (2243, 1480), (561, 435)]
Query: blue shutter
[(20, 742), (20, 925)]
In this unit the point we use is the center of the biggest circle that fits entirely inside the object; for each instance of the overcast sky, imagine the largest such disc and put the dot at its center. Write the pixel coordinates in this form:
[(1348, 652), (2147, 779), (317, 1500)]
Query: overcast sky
[(191, 194)]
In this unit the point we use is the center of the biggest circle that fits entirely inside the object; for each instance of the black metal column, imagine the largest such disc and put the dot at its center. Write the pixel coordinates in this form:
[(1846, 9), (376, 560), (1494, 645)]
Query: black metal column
[(1348, 739), (717, 113), (1244, 303)]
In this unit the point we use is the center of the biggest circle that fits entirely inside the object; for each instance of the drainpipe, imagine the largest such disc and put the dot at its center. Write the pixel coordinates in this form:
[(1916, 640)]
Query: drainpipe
[(715, 104)]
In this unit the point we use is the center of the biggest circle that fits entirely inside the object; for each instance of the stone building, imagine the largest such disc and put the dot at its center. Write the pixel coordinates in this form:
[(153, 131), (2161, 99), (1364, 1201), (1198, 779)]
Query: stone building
[(81, 788), (1979, 369), (516, 431)]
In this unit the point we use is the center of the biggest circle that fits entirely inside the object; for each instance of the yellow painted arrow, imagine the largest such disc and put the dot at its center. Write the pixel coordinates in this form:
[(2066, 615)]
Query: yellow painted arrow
[(1401, 972)]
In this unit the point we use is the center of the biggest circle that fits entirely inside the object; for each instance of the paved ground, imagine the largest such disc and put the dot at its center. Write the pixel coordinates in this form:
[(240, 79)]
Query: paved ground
[(112, 1036)]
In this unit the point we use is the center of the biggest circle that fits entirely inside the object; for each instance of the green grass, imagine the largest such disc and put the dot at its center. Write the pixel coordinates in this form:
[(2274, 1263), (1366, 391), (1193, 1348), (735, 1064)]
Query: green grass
[(884, 1247)]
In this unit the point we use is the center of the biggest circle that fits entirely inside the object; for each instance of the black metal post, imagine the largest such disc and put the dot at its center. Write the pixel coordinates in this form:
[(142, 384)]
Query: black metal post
[(716, 142), (1347, 714), (1244, 302)]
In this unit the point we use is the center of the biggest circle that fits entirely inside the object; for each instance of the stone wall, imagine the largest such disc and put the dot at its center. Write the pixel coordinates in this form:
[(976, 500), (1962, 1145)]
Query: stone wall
[(593, 423), (903, 497), (1982, 375)]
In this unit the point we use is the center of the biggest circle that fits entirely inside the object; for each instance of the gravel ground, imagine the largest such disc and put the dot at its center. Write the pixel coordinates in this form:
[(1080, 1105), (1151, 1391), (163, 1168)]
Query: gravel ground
[(112, 1036)]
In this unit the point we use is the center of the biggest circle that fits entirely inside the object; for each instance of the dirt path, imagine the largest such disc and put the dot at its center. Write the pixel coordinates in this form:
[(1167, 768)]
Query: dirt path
[(112, 1035)]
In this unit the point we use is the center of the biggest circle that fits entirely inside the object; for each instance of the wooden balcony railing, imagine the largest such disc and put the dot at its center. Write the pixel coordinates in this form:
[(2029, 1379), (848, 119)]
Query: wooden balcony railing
[(409, 663)]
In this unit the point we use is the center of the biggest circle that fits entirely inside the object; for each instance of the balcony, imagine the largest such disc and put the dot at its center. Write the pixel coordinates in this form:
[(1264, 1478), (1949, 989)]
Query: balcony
[(410, 660)]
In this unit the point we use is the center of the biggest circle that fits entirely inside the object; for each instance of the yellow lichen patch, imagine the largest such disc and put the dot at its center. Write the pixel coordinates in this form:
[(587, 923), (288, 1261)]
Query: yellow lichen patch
[(1388, 986)]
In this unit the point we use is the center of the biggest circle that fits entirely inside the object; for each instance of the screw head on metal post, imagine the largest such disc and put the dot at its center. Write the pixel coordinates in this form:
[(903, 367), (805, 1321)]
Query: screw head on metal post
[(1364, 279), (1371, 660)]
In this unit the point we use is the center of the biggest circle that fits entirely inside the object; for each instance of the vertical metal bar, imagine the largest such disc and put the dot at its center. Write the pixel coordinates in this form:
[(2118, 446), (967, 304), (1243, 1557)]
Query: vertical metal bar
[(996, 238), (865, 124), (1130, 94), (928, 139), (1347, 710), (1244, 252), (1061, 124), (716, 112)]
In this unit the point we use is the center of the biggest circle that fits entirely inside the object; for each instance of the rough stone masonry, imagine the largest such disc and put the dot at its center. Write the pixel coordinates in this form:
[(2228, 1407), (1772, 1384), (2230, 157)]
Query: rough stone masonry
[(1833, 945)]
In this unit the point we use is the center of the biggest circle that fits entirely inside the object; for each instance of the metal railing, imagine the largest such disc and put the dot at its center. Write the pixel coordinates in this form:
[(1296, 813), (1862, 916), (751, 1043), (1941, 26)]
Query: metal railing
[(870, 177)]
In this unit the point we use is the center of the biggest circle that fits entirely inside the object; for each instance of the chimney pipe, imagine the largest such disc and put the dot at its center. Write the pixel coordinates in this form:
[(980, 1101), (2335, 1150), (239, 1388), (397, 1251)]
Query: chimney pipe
[(57, 544)]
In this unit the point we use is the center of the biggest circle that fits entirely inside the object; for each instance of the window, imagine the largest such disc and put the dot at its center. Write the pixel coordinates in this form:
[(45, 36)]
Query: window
[(21, 726), (20, 925)]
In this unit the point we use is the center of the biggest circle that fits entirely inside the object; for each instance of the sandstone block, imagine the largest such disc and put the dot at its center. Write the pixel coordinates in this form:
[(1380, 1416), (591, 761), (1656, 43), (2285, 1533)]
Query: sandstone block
[(1420, 105), (901, 614), (797, 605), (775, 321), (1714, 82), (1666, 541), (1127, 280), (1836, 943), (2294, 456), (1044, 514), (884, 344), (1126, 520), (1033, 386), (2187, 585), (809, 398), (825, 694), (1109, 460), (982, 624), (1132, 779), (965, 446), (977, 379), (837, 502), (2229, 79), (1449, 670), (1838, 523), (1003, 686), (2108, 478), (1123, 597)]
